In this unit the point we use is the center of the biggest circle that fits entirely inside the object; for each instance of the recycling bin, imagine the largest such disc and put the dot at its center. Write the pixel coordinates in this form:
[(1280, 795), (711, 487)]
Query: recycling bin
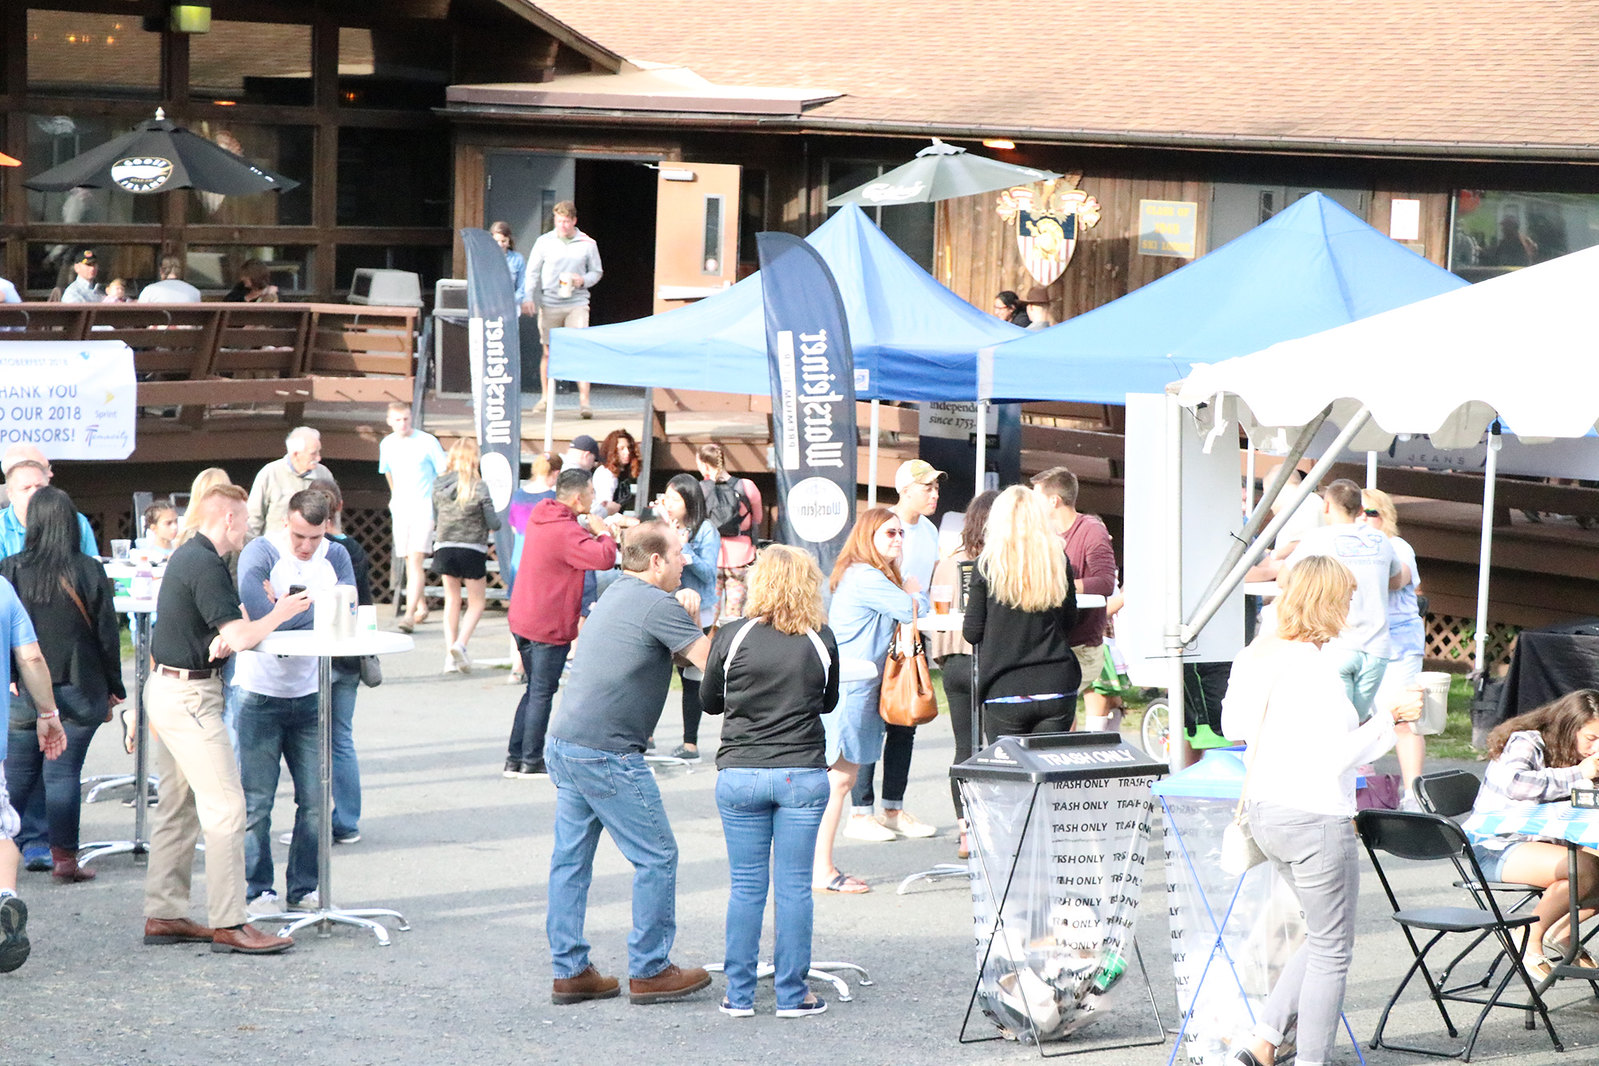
[(1059, 827)]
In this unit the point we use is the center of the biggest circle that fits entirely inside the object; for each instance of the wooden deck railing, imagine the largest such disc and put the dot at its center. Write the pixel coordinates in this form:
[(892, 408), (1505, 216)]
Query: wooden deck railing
[(194, 356)]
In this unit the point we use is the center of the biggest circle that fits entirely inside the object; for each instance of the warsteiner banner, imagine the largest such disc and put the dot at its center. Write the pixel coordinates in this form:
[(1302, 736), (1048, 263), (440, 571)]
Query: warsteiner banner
[(813, 395), (496, 357)]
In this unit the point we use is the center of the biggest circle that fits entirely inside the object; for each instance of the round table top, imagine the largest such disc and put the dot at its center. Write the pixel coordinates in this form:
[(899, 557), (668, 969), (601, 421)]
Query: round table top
[(129, 605), (312, 642)]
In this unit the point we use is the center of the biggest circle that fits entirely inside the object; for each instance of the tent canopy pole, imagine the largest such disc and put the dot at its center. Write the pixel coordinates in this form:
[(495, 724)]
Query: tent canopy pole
[(1177, 734), (982, 447), (549, 418), (871, 458), (1251, 555), (1485, 550)]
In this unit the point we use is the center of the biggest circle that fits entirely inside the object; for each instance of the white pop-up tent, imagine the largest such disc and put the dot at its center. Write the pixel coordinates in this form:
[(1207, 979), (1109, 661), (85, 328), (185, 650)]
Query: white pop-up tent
[(1520, 349)]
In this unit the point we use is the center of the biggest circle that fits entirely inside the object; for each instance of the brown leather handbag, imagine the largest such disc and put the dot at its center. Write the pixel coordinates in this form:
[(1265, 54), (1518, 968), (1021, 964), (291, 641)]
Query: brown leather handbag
[(907, 697)]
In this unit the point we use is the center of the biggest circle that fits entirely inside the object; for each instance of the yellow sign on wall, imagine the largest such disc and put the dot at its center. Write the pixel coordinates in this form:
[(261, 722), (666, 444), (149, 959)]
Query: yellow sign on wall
[(1166, 227)]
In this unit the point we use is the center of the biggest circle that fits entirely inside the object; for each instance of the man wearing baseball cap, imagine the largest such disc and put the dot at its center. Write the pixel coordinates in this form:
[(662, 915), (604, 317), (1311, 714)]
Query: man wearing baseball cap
[(916, 482), (83, 290), (583, 454)]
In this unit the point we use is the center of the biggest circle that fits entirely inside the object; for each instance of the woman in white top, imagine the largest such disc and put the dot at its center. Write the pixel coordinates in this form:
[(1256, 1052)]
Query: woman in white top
[(1286, 699)]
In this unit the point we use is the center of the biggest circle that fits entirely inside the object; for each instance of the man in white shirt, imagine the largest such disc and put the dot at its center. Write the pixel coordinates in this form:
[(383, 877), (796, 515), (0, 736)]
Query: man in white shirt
[(8, 293), (278, 700), (1363, 644), (411, 460), (171, 289), (83, 289), (916, 482)]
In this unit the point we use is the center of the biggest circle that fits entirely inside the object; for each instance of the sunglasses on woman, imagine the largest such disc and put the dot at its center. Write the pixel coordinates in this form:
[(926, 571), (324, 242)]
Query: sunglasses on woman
[(893, 532)]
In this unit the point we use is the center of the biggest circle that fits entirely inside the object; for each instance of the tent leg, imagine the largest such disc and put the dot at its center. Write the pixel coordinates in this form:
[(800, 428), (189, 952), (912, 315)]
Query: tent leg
[(1177, 746), (871, 458), (549, 418), (1249, 477), (646, 458), (1486, 549), (1371, 470), (981, 443)]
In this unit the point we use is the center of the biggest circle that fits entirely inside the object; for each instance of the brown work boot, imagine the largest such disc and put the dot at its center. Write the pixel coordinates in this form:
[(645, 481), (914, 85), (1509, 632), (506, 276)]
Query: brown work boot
[(590, 984), (670, 983), (176, 931), (248, 940), (66, 868)]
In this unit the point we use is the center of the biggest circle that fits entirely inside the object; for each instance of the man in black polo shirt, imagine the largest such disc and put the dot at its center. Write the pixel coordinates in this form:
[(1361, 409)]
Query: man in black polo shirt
[(202, 624)]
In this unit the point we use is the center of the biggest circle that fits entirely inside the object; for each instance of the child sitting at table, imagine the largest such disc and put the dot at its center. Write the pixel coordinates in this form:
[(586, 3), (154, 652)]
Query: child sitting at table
[(1536, 758)]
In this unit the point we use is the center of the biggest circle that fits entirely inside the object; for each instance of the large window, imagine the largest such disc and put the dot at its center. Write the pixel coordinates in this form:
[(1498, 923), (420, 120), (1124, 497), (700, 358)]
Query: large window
[(56, 138), (1236, 208), (82, 54), (251, 62), (217, 266), (393, 178), (287, 150), (392, 69), (910, 226), (1496, 232), (431, 263), (50, 265)]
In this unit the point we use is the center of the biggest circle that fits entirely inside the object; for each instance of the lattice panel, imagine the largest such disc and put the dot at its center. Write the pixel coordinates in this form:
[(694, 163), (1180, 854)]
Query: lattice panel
[(1454, 640), (372, 529)]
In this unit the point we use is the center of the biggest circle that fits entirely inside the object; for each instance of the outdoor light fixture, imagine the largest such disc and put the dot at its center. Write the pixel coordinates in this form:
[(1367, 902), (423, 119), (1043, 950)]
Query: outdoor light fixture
[(190, 18), (998, 143), (676, 175)]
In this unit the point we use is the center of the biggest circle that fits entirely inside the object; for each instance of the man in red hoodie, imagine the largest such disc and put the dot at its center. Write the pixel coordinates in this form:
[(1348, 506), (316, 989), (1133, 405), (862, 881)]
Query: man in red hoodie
[(562, 540), (1093, 559)]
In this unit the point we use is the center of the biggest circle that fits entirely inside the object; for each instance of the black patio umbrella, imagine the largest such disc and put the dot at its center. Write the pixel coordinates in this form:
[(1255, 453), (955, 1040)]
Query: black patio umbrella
[(156, 156)]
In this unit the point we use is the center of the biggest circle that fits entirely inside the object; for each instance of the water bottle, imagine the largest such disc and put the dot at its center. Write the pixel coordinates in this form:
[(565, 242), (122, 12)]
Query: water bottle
[(143, 580)]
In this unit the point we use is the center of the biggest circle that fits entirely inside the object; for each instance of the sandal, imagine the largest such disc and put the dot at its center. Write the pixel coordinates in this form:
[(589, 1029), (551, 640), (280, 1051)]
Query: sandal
[(1554, 951), (130, 724), (845, 884), (406, 626)]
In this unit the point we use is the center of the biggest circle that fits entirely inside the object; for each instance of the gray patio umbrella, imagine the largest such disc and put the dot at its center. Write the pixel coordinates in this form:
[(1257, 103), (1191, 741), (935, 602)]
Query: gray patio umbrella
[(156, 156), (940, 172)]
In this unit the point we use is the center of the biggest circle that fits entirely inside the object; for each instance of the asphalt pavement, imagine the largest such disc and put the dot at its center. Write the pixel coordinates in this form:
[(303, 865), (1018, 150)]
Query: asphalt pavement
[(463, 853)]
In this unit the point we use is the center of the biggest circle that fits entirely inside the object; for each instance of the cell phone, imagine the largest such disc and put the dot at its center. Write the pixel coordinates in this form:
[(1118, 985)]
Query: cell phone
[(295, 590)]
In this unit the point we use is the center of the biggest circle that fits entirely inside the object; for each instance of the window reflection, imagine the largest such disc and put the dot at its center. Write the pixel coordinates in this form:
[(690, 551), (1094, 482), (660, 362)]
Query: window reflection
[(391, 68), (50, 266), (92, 55), (393, 178), (285, 149), (1498, 231), (54, 139), (253, 63), (910, 226), (216, 267)]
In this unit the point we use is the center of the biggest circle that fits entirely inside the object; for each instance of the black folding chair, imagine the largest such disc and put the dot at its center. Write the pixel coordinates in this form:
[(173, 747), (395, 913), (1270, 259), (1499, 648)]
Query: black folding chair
[(1422, 837), (1453, 793)]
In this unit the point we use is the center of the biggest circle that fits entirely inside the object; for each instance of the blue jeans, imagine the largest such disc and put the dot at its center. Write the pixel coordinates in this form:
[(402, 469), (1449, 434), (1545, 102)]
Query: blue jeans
[(542, 664), (616, 792), (346, 768), (769, 817), (55, 783), (274, 730), (1362, 674)]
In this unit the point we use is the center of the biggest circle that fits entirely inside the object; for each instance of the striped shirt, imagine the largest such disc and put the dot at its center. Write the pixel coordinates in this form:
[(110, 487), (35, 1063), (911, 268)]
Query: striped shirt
[(1519, 778)]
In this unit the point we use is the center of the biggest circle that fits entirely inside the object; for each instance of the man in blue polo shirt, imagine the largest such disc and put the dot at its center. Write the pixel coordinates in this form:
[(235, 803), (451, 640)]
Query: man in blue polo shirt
[(17, 638)]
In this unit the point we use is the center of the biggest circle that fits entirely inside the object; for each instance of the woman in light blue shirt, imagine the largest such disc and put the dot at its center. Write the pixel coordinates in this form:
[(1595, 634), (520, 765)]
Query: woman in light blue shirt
[(514, 260), (683, 506), (869, 600), (1407, 633)]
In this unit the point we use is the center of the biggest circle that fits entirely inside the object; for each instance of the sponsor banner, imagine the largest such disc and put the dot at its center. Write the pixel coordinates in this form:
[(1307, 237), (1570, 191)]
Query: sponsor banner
[(813, 404), (495, 347), (72, 399)]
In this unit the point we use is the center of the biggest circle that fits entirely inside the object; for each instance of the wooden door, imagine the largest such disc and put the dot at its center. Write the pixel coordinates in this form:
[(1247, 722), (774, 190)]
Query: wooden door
[(696, 232)]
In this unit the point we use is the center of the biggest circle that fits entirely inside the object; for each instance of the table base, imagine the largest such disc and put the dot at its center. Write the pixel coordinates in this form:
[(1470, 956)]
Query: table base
[(670, 760), (107, 782), (819, 971), (327, 917), (943, 871)]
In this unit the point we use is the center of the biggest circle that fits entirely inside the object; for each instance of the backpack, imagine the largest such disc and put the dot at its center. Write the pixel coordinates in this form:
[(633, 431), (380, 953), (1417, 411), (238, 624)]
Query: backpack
[(726, 506)]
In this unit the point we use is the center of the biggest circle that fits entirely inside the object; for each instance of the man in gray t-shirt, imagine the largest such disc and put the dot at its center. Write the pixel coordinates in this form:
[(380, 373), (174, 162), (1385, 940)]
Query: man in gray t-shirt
[(595, 755), (1370, 557)]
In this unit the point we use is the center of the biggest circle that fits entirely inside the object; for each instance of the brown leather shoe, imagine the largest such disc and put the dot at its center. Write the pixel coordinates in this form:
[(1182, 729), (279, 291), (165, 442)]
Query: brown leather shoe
[(670, 983), (176, 931), (66, 868), (590, 984), (248, 940)]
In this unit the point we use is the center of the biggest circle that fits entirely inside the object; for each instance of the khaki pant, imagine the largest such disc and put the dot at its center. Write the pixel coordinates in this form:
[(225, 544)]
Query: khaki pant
[(200, 792), (1091, 659)]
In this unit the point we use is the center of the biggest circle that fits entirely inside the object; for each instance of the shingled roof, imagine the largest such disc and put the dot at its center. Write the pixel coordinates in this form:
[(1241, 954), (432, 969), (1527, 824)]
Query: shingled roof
[(1400, 75)]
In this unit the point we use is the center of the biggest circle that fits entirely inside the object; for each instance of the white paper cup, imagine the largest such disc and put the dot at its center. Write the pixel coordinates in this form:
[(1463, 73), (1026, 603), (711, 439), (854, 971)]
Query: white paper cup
[(366, 617), (1435, 702)]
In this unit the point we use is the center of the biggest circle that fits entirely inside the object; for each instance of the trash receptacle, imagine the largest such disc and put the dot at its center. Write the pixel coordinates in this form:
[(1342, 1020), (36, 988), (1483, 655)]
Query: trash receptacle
[(1230, 936), (1059, 828)]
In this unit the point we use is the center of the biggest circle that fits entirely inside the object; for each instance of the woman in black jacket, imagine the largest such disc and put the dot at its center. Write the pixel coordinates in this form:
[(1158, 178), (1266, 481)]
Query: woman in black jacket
[(773, 674), (69, 598), (1022, 605)]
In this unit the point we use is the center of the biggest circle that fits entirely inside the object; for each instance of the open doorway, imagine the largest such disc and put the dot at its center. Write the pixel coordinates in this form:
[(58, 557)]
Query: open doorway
[(616, 206)]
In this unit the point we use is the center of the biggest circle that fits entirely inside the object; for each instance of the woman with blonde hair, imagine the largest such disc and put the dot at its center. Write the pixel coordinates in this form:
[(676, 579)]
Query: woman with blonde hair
[(773, 675), (1021, 606), (204, 482), (464, 516), (1407, 634), (1285, 698), (869, 599)]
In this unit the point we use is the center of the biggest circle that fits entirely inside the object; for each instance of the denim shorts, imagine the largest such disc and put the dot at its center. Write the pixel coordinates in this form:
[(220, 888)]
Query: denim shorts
[(1492, 860)]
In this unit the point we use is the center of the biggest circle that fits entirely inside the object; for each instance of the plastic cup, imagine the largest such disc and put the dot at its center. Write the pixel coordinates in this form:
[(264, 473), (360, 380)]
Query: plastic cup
[(943, 596), (1435, 701), (120, 549), (366, 618)]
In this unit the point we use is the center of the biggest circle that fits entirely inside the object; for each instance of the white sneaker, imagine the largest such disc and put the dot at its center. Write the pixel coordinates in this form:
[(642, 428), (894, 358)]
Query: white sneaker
[(264, 905), (286, 838), (462, 661), (449, 663), (904, 823), (865, 827), (308, 902)]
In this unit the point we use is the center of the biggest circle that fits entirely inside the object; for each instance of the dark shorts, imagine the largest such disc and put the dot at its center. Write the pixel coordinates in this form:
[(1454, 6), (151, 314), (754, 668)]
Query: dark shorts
[(468, 564)]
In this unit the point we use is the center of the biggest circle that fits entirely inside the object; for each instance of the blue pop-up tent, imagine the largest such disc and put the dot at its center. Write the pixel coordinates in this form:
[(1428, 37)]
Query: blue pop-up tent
[(1309, 268), (913, 339)]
